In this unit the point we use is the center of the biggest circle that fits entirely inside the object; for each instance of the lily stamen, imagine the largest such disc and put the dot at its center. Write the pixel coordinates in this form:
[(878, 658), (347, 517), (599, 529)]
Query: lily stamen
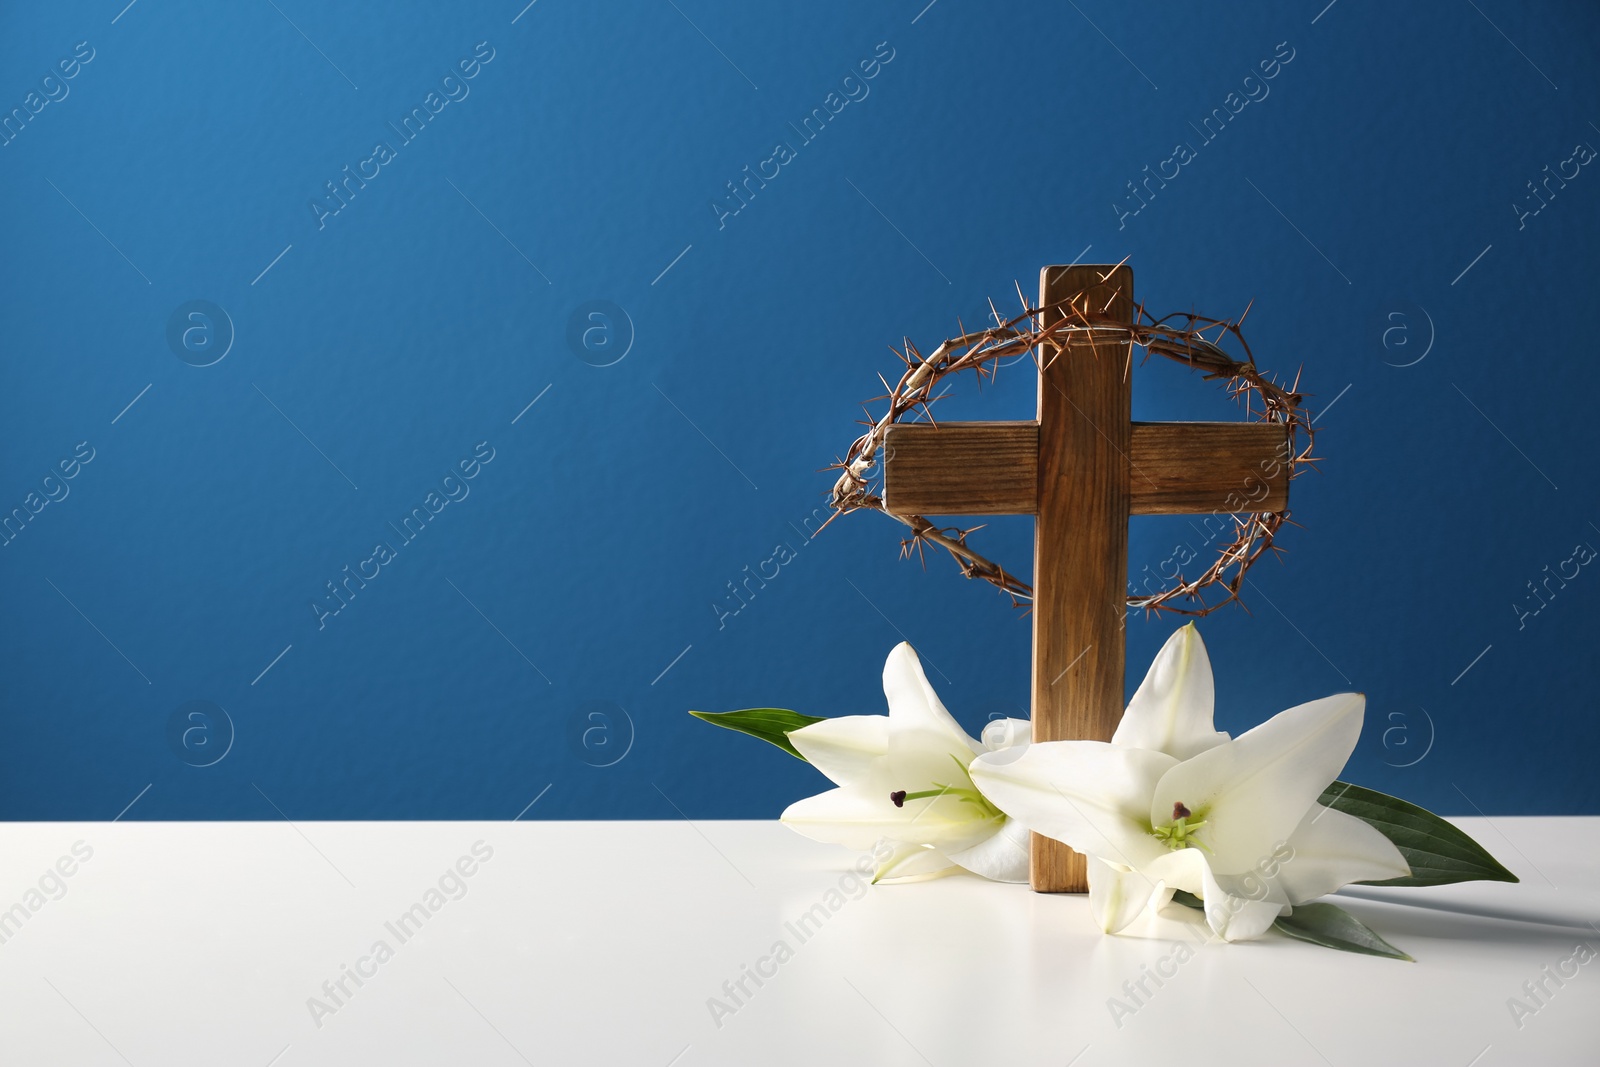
[(1180, 833), (900, 796)]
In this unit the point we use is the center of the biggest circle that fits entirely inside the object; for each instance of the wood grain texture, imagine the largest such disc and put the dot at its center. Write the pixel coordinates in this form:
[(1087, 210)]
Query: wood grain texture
[(1187, 468), (1081, 538), (1176, 468), (961, 468)]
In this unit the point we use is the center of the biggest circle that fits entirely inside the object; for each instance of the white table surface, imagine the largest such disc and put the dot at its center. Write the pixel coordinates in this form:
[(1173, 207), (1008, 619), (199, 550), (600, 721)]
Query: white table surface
[(601, 943)]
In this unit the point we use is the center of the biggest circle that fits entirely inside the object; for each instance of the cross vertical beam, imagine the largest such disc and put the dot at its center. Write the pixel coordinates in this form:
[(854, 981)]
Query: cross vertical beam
[(1081, 537)]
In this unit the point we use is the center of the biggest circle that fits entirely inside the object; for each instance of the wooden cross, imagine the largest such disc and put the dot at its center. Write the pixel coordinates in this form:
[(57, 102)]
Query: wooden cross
[(1082, 468)]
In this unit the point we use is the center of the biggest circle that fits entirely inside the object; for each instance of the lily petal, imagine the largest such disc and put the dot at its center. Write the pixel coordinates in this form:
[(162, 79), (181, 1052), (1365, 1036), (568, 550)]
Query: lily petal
[(1000, 857), (858, 814), (1172, 710), (912, 701), (848, 817), (846, 748), (1002, 734), (910, 862), (1163, 923), (1331, 849), (919, 757), (922, 760), (1117, 895), (1089, 794), (1231, 916), (1254, 791), (1240, 918)]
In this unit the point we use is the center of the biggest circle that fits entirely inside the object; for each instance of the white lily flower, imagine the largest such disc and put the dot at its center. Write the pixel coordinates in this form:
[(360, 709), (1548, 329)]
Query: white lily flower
[(1170, 803), (902, 779)]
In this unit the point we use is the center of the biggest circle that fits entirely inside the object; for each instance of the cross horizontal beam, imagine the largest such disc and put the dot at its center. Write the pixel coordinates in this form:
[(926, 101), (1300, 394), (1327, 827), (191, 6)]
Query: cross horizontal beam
[(1175, 468)]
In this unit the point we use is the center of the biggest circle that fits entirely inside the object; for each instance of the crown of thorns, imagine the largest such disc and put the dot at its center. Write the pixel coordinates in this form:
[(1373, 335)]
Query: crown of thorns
[(1185, 337)]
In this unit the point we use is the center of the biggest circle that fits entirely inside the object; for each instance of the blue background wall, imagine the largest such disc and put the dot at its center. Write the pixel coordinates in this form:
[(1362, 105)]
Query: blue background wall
[(551, 627)]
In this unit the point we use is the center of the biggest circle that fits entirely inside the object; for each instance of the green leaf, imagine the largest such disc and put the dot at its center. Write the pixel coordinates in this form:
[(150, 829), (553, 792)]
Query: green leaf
[(770, 724), (1321, 924), (1333, 927), (1439, 854)]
